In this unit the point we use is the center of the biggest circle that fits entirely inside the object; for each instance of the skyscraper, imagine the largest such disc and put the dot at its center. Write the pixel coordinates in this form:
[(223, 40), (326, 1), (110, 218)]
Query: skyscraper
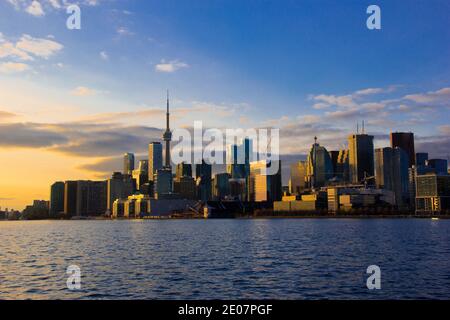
[(342, 166), (167, 137), (70, 198), (297, 181), (140, 175), (391, 173), (154, 159), (440, 166), (203, 173), (421, 158), (361, 157), (405, 141), (56, 198), (264, 187), (239, 157), (163, 183), (320, 166), (117, 187), (184, 170), (91, 198), (128, 164)]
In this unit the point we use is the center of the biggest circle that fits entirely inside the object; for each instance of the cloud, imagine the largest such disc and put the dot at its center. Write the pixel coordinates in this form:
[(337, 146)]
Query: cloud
[(35, 9), (123, 31), (6, 115), (440, 96), (28, 48), (13, 67), (83, 91), (29, 135), (104, 55), (170, 66)]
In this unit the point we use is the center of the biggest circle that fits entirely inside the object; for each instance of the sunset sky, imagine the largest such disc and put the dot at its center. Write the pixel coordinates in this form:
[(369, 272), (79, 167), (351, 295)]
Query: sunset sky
[(73, 101)]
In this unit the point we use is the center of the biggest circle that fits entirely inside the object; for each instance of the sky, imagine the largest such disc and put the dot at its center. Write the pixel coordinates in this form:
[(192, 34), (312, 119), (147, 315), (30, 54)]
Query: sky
[(73, 101)]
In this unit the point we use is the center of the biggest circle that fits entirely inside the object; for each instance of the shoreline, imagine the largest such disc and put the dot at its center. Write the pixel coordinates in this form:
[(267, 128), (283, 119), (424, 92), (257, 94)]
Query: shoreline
[(262, 217)]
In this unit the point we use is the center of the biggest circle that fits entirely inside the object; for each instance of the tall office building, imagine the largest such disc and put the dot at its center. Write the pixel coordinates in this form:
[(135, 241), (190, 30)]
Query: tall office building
[(239, 157), (117, 187), (167, 137), (220, 186), (183, 170), (405, 141), (185, 187), (320, 166), (91, 198), (391, 173), (70, 198), (334, 156), (155, 161), (297, 181), (56, 198), (163, 183), (128, 164), (140, 175), (263, 187), (203, 174), (361, 157), (440, 166), (421, 158), (342, 166)]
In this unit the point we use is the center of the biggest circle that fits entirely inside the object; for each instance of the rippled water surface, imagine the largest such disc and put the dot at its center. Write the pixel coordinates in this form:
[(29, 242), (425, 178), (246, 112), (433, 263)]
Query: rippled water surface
[(226, 259)]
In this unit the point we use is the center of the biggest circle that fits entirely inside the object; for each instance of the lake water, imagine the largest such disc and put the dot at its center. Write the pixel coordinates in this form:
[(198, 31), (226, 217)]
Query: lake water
[(226, 259)]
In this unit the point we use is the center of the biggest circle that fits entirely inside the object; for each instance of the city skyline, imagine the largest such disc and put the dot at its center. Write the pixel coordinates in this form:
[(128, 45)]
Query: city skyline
[(79, 116)]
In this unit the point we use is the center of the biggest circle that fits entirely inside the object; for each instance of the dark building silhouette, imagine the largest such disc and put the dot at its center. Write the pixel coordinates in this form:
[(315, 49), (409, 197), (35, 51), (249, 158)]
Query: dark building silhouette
[(421, 158), (440, 166), (405, 141), (361, 157), (56, 198), (70, 198)]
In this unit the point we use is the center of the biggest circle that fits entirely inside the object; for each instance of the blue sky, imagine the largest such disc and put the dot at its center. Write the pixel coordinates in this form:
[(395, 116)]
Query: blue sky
[(306, 67)]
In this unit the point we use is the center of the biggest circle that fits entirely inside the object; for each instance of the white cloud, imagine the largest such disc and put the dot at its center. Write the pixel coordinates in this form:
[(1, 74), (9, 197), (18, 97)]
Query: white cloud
[(431, 96), (83, 91), (104, 55), (170, 66), (42, 48), (122, 31), (35, 9), (27, 47), (13, 67)]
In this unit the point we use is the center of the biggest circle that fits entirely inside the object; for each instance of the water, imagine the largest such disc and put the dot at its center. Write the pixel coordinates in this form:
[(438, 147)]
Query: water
[(226, 259)]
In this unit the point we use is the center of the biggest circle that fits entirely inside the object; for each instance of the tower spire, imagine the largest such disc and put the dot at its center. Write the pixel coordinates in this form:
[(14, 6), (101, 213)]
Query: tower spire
[(167, 136)]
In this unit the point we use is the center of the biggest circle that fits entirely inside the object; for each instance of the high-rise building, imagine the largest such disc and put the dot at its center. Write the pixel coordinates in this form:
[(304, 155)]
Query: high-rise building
[(239, 157), (185, 187), (334, 156), (117, 187), (167, 137), (361, 157), (183, 170), (140, 175), (56, 199), (432, 194), (91, 198), (163, 183), (440, 166), (70, 198), (155, 161), (391, 173), (421, 158), (297, 181), (320, 166), (405, 141), (220, 186), (203, 173), (342, 166), (262, 186), (128, 164)]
